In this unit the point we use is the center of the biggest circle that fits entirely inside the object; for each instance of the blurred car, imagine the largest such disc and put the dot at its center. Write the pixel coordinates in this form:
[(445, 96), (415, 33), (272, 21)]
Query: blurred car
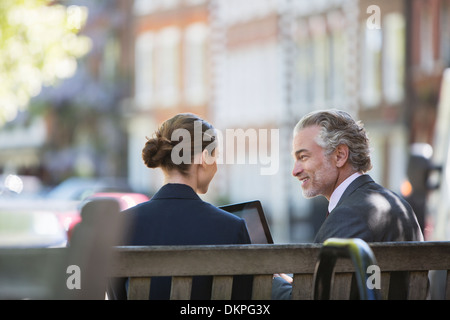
[(125, 199), (48, 220), (26, 220), (77, 188), (32, 223), (80, 189)]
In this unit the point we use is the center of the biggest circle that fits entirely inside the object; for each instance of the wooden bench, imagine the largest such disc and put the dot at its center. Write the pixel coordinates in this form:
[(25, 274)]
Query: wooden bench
[(262, 261), (32, 273)]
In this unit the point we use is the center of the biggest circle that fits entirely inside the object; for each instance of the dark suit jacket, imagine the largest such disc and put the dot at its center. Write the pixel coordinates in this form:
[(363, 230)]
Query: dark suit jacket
[(177, 216), (370, 212), (373, 213)]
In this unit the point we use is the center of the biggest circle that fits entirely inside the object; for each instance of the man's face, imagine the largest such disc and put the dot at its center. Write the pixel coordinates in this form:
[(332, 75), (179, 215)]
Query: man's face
[(316, 172)]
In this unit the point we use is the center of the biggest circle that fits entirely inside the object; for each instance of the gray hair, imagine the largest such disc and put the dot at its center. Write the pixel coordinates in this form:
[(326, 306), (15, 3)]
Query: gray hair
[(337, 128)]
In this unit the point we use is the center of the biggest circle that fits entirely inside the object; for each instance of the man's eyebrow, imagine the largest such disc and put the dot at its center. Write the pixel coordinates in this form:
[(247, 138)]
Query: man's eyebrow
[(296, 153)]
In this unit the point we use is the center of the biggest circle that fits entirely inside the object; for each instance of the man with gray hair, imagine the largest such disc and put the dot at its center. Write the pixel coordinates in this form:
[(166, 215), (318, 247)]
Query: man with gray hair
[(331, 154), (331, 157)]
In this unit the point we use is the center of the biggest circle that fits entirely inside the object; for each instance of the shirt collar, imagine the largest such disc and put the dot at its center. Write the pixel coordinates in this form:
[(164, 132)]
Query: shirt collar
[(176, 191), (339, 191)]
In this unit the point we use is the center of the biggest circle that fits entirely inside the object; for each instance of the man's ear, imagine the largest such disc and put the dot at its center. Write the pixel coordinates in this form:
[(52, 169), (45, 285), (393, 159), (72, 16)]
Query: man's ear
[(341, 155)]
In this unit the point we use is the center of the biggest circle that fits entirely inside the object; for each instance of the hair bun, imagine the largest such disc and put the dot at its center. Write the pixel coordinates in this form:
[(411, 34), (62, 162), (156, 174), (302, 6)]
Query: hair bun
[(156, 151)]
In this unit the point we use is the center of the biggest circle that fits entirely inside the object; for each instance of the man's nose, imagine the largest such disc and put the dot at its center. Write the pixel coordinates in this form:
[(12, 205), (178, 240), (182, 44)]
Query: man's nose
[(297, 169)]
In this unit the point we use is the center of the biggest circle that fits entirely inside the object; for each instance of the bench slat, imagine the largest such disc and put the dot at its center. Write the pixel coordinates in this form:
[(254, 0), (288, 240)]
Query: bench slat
[(262, 287), (418, 284), (385, 280), (222, 288), (447, 287), (139, 288), (181, 288), (419, 256), (303, 286), (341, 286)]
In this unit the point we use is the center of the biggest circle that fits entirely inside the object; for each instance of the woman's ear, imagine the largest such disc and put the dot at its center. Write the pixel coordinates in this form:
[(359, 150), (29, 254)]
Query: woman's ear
[(207, 157), (198, 158), (341, 155)]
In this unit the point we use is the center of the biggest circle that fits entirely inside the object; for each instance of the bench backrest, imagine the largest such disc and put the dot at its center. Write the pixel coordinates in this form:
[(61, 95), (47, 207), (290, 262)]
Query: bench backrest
[(262, 261), (26, 272)]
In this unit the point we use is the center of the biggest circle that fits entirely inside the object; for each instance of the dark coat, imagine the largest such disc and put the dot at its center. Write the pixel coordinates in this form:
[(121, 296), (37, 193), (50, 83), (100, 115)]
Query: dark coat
[(177, 216), (372, 213)]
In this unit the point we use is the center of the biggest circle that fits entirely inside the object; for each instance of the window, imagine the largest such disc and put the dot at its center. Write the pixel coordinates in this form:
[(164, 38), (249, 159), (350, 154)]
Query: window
[(167, 66), (144, 70), (445, 33), (393, 57), (195, 64), (298, 77), (337, 73), (321, 61), (110, 60), (194, 2), (169, 4), (144, 7), (371, 67), (303, 72), (426, 40)]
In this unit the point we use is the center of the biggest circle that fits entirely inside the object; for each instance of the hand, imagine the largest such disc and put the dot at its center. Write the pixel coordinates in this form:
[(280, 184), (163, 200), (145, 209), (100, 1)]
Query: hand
[(284, 276)]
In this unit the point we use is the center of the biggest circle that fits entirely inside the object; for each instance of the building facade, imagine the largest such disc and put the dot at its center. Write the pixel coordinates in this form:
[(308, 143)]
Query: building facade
[(171, 75), (252, 68), (267, 63)]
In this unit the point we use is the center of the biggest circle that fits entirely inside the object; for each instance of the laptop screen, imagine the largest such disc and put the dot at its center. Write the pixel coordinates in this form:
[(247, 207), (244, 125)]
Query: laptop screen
[(255, 219)]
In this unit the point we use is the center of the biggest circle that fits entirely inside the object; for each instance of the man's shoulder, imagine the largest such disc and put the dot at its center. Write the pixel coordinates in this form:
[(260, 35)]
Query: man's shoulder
[(346, 221), (365, 188)]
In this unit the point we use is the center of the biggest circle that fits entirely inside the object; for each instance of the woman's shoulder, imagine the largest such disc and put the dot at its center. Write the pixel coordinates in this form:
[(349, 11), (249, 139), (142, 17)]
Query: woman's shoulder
[(220, 213)]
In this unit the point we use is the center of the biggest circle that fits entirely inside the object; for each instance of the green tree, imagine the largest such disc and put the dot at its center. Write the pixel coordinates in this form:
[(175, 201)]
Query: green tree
[(39, 45)]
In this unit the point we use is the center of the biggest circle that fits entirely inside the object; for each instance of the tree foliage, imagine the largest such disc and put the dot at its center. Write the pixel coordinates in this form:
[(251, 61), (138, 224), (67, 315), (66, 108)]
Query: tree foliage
[(39, 45)]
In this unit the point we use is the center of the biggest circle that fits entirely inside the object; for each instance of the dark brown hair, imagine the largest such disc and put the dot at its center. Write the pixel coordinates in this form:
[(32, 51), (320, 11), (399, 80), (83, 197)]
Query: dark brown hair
[(157, 151)]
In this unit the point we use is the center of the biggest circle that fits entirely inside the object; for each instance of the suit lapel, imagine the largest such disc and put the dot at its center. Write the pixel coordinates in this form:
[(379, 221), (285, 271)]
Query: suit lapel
[(360, 181)]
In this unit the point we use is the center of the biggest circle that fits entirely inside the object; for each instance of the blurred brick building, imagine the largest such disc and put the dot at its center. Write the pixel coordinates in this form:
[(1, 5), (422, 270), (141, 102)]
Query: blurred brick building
[(253, 64), (171, 74)]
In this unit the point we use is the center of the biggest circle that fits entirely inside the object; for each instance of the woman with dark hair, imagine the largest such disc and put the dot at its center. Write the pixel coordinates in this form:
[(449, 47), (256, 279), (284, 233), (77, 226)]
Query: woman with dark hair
[(184, 147)]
